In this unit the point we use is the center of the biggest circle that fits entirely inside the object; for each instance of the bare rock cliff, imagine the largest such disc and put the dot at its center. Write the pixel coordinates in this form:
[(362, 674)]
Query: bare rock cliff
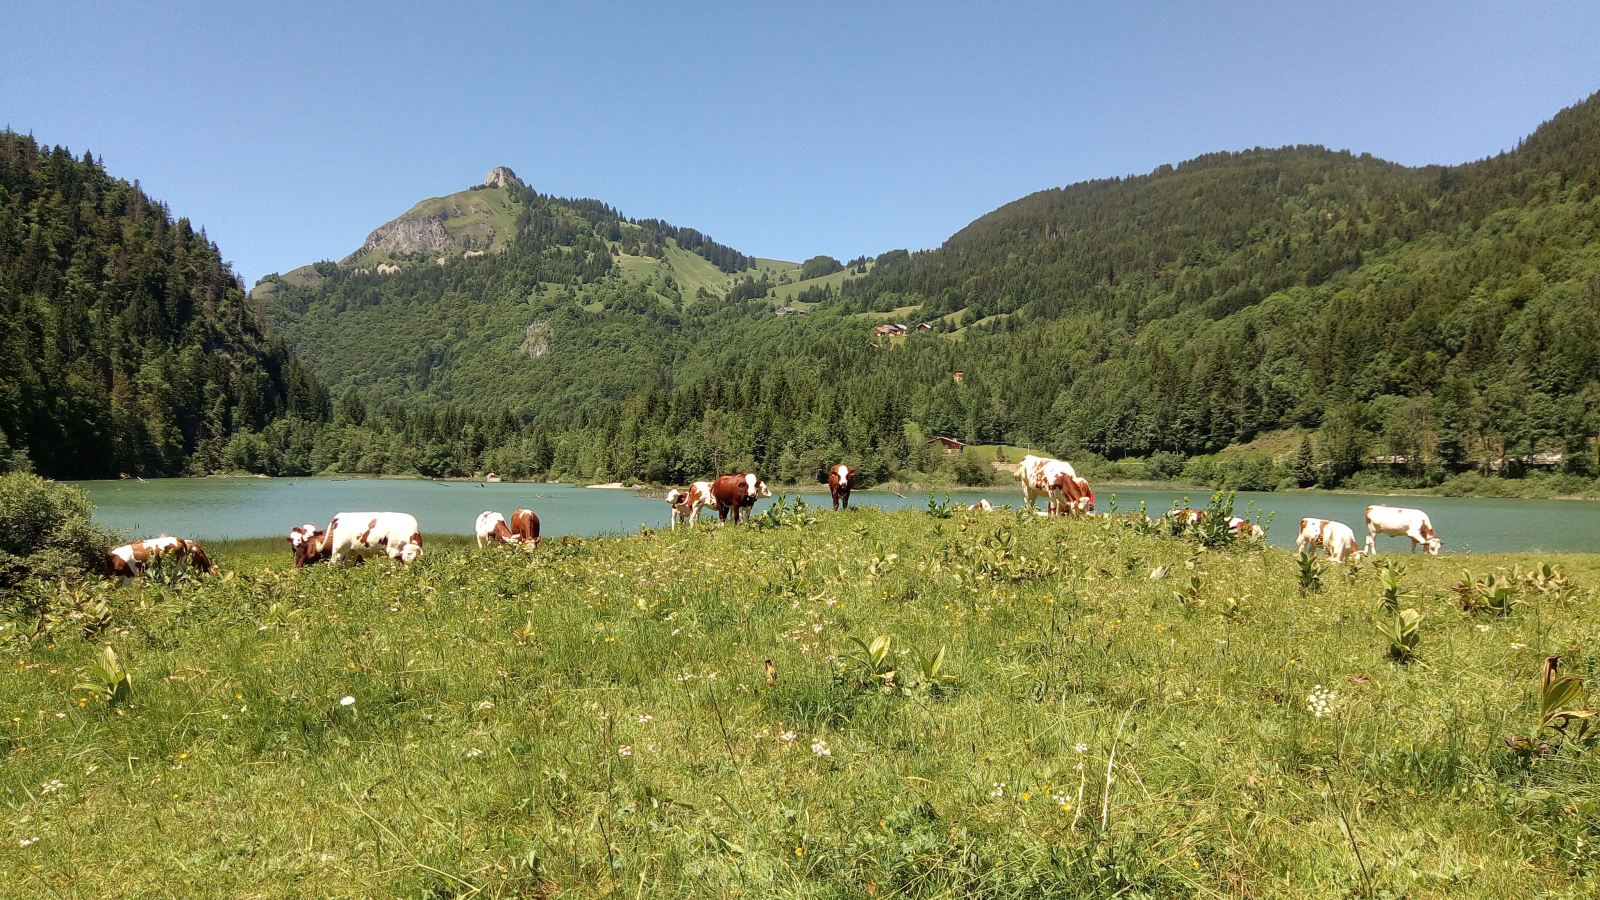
[(423, 234), (501, 176)]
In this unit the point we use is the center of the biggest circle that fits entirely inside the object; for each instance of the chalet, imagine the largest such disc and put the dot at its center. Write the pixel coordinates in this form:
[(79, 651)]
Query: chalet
[(788, 311), (950, 445), (925, 326), (958, 375), (890, 330)]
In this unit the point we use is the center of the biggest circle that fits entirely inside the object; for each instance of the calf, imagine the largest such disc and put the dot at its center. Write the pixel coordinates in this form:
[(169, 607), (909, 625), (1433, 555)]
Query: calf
[(1335, 538), (491, 528), (525, 528), (1401, 522), (363, 534), (686, 504), (841, 479), (133, 560), (737, 493), (310, 543)]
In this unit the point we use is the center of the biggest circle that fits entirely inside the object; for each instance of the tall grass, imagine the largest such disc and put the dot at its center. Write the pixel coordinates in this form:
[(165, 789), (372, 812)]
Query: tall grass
[(595, 719)]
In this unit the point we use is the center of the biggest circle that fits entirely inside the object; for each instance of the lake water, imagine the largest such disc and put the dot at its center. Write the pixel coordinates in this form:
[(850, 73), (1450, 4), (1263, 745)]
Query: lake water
[(215, 508)]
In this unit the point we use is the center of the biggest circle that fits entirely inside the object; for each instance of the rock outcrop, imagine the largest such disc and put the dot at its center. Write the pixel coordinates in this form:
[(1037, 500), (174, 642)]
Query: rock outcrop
[(424, 234), (501, 176)]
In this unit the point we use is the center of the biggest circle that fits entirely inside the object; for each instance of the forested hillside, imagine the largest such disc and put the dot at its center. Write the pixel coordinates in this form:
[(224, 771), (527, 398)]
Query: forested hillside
[(1422, 321), (126, 345)]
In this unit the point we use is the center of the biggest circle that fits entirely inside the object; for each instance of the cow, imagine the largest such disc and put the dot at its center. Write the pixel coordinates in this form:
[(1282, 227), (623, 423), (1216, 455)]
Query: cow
[(1398, 521), (737, 493), (981, 506), (686, 504), (1037, 473), (133, 560), (841, 479), (310, 543), (1244, 528), (1335, 538), (491, 528), (362, 534), (1074, 492), (525, 528)]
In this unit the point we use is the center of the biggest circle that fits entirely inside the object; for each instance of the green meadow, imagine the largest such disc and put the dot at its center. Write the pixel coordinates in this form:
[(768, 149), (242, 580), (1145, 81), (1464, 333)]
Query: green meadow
[(960, 705)]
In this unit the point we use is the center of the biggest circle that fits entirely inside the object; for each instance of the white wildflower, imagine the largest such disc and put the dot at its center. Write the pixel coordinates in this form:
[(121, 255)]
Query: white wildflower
[(1081, 747), (486, 704), (1320, 702), (49, 787), (999, 789), (625, 750), (644, 719), (820, 747), (787, 737), (474, 752), (347, 701)]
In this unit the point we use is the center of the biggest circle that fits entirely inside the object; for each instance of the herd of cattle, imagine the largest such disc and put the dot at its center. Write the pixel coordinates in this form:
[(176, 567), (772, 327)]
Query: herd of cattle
[(357, 536)]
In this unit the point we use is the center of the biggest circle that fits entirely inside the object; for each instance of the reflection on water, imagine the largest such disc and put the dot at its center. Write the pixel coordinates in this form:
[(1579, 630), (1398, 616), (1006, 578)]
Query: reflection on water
[(258, 507)]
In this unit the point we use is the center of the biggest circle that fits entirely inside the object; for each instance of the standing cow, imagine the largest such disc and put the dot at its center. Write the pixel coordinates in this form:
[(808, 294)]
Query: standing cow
[(310, 543), (1074, 492), (841, 479), (1397, 521), (686, 504), (133, 560), (1335, 538), (491, 528), (363, 534), (736, 494), (525, 528), (1038, 474)]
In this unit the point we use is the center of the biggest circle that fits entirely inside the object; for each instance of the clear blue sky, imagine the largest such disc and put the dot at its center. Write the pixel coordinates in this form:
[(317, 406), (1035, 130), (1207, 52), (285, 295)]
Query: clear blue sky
[(783, 129)]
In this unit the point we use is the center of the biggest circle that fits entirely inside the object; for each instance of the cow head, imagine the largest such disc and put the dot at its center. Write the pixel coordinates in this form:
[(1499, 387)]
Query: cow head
[(198, 560), (758, 488), (412, 549), (1434, 545)]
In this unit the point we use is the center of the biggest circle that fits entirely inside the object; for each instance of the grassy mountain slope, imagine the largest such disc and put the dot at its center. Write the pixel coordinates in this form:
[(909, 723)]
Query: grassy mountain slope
[(126, 345), (1444, 316)]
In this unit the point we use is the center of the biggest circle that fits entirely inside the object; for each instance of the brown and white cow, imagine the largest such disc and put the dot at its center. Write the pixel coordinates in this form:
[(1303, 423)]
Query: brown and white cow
[(686, 504), (1073, 492), (1335, 538), (310, 543), (1245, 528), (1038, 474), (1396, 521), (363, 534), (736, 494), (841, 479), (981, 506), (133, 560), (491, 528), (525, 528)]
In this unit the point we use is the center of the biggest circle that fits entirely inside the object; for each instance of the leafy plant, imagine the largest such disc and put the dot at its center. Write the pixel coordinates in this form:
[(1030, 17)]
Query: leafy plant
[(1557, 695), (874, 665), (931, 675), (110, 681), (941, 509), (1311, 567), (1490, 594), (1404, 633), (1547, 581), (1190, 595), (1389, 574)]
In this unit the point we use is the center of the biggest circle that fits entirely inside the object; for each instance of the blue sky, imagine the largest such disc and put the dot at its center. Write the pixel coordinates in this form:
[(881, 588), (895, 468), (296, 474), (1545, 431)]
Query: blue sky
[(783, 129)]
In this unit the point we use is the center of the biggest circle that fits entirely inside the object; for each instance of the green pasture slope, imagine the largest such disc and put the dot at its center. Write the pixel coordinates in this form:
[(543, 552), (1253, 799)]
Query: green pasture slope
[(594, 720)]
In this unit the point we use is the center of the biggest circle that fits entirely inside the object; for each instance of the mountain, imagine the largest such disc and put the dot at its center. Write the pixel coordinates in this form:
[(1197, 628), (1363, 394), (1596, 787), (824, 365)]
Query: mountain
[(126, 345), (1413, 322)]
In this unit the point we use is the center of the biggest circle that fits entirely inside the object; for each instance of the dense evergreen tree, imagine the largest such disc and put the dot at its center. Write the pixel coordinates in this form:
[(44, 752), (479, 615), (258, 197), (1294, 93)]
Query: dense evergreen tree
[(126, 344)]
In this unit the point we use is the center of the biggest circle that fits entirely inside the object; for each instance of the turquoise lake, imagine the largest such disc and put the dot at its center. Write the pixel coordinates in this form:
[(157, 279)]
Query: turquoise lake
[(203, 508)]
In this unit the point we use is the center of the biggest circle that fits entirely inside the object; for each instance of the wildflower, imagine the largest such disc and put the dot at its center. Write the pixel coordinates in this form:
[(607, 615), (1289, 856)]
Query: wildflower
[(820, 747), (625, 750), (644, 719), (654, 747), (347, 701), (787, 737), (798, 851), (1320, 702), (999, 789), (26, 841), (1518, 645), (1080, 747), (1483, 628), (1059, 798), (474, 752), (49, 787), (90, 770), (1026, 795), (486, 704)]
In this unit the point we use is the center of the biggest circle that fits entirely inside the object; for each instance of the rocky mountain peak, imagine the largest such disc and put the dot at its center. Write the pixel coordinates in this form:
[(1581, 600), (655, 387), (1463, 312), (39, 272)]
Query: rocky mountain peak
[(501, 176)]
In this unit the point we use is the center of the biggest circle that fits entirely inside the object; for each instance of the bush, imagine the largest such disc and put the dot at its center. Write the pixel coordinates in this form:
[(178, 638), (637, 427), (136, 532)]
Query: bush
[(1164, 466), (46, 531), (972, 471)]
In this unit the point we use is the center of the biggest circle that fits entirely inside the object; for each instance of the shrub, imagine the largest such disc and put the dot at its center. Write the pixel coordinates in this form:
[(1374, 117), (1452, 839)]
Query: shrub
[(973, 472), (46, 530), (1164, 466)]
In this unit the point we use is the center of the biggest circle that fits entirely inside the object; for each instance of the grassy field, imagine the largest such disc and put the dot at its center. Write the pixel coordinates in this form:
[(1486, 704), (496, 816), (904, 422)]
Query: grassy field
[(1130, 716)]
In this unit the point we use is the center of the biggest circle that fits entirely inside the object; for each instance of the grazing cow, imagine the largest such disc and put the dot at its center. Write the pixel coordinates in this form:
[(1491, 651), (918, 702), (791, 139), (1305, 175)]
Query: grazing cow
[(686, 504), (1401, 522), (1244, 528), (1186, 516), (133, 560), (981, 506), (491, 528), (1335, 538), (525, 528), (737, 493), (1074, 492), (841, 479), (310, 543), (1037, 474), (364, 534)]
